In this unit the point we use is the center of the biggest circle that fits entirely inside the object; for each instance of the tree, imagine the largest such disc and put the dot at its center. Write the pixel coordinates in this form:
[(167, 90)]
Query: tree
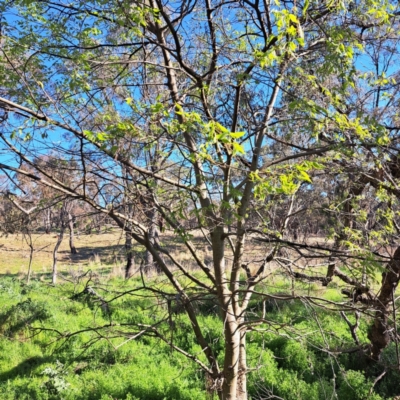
[(229, 112), (25, 226)]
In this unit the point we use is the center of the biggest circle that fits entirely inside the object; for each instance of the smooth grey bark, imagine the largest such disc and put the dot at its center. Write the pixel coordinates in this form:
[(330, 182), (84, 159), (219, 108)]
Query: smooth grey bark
[(55, 257), (231, 331), (28, 238), (60, 238), (242, 378), (71, 234)]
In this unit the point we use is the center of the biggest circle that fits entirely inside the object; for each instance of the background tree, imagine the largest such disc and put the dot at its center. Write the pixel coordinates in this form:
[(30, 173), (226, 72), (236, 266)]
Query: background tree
[(24, 221)]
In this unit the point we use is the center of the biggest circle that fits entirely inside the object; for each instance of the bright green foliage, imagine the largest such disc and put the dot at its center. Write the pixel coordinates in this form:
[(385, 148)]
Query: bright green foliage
[(287, 366), (354, 386), (31, 369)]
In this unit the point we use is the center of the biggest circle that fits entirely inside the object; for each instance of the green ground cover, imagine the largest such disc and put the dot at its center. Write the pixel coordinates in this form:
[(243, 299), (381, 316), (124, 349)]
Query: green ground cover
[(42, 358)]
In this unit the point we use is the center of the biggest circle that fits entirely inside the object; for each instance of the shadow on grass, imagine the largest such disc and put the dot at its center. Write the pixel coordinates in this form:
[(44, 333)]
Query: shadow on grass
[(26, 367), (88, 253), (15, 275), (47, 276)]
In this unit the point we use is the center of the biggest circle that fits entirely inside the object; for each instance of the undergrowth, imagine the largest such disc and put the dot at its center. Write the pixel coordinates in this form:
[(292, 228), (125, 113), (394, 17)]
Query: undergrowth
[(294, 356)]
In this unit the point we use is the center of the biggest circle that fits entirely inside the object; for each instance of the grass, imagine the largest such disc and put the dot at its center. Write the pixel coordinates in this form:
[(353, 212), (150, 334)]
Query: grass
[(37, 361), (41, 367), (102, 363), (95, 250), (104, 249)]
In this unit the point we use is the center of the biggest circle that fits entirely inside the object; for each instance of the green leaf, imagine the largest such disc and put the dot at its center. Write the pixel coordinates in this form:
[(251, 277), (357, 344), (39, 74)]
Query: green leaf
[(304, 176), (221, 128), (237, 135), (102, 136), (237, 148), (89, 135)]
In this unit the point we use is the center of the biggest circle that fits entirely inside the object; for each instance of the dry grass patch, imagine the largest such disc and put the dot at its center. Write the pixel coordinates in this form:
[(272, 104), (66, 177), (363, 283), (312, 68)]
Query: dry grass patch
[(93, 250)]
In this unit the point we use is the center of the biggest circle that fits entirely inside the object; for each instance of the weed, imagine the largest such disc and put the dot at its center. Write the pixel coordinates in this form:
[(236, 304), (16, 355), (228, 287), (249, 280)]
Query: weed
[(55, 384)]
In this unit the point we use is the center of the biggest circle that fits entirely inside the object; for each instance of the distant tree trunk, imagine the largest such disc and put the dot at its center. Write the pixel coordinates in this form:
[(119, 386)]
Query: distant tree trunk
[(28, 238), (153, 238), (56, 247), (47, 221), (28, 279), (27, 233), (55, 255), (71, 234), (128, 237), (129, 255)]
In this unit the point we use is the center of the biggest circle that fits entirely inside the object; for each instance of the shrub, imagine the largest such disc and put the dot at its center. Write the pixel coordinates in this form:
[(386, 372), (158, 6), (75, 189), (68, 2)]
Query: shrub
[(354, 386), (20, 316)]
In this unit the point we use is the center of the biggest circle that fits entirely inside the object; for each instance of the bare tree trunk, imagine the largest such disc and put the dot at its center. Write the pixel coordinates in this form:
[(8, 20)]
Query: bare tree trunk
[(129, 255), (27, 234), (379, 334), (47, 221), (231, 329), (128, 237), (71, 234), (56, 247), (242, 378), (55, 255), (28, 238), (232, 345), (153, 238)]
